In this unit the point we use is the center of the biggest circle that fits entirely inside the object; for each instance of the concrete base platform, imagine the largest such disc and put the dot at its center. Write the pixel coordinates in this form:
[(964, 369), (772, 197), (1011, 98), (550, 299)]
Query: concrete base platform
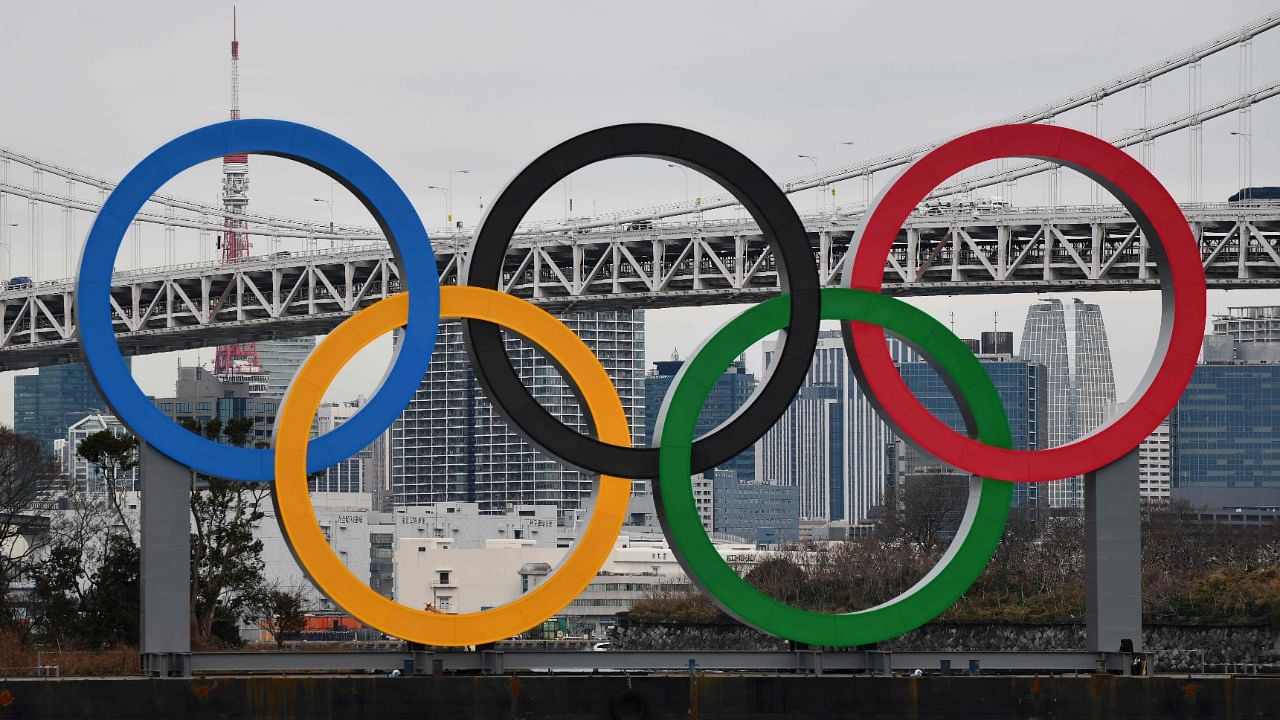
[(704, 697)]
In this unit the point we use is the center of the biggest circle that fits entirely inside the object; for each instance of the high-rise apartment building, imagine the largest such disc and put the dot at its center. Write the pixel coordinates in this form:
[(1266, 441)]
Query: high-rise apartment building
[(1093, 381), (1154, 467), (731, 391), (1070, 341), (348, 476), (279, 360), (47, 403), (450, 444), (830, 443)]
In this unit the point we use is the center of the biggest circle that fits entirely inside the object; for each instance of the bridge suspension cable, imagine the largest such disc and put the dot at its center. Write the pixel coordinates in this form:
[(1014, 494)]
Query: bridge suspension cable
[(210, 218), (1140, 78), (1129, 139)]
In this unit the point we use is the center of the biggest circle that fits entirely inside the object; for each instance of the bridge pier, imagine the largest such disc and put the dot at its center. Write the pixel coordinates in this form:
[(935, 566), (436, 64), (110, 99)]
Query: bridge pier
[(166, 565)]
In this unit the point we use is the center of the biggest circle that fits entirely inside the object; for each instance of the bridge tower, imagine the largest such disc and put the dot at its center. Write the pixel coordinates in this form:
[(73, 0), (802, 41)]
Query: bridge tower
[(238, 360)]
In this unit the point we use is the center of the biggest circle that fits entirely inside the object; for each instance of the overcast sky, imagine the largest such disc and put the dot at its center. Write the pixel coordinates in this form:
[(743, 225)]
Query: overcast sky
[(430, 87)]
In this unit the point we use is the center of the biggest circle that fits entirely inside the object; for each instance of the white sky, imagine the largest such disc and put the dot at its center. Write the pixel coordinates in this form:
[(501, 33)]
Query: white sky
[(428, 87)]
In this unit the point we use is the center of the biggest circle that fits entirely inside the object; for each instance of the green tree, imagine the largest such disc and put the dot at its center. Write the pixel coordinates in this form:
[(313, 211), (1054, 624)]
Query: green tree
[(115, 455), (57, 592), (226, 559), (237, 431), (1234, 593), (112, 608), (79, 608)]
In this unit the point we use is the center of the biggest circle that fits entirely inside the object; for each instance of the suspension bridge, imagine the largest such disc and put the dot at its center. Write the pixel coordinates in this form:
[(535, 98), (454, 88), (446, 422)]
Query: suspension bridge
[(309, 276)]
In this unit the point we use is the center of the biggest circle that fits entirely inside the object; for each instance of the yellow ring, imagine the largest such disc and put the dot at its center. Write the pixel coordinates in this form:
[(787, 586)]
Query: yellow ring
[(298, 520)]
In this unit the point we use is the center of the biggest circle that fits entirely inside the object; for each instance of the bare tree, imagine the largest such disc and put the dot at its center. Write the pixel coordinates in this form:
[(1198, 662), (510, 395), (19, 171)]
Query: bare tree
[(932, 506), (25, 471), (280, 610)]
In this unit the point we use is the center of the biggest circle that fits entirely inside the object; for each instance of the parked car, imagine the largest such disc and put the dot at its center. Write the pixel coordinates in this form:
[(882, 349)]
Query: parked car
[(20, 281)]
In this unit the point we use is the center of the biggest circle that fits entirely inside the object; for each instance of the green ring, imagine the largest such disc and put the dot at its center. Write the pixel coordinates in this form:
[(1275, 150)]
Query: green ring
[(965, 558)]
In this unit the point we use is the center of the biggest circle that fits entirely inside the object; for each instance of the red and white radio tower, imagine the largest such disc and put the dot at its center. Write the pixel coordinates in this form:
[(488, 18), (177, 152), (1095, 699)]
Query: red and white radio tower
[(239, 359)]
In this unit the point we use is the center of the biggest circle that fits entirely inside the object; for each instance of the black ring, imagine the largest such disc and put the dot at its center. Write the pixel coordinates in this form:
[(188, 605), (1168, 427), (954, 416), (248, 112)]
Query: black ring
[(779, 224)]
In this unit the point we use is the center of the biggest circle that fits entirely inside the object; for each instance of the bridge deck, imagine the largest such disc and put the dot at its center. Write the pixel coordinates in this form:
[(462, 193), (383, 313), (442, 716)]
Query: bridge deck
[(664, 265)]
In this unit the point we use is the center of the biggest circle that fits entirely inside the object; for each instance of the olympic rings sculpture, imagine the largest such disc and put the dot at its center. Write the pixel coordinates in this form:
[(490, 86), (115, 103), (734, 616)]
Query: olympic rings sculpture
[(984, 449)]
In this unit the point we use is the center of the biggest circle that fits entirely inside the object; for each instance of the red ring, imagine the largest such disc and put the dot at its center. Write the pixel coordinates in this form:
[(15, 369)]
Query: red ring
[(1182, 285)]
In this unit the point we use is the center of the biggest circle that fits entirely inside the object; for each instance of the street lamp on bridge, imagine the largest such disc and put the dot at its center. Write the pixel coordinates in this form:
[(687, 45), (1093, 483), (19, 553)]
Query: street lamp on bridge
[(821, 190), (448, 201), (1244, 148), (684, 170), (8, 249), (445, 192)]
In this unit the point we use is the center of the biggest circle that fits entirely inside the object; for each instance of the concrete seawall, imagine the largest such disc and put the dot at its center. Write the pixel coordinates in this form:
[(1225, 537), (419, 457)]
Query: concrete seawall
[(704, 697)]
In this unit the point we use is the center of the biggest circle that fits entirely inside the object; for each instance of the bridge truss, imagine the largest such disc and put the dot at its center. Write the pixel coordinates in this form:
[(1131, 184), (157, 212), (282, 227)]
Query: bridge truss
[(667, 265)]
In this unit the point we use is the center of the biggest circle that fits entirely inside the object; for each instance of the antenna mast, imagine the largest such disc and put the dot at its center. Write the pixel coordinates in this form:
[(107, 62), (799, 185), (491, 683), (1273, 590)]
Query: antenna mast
[(239, 359)]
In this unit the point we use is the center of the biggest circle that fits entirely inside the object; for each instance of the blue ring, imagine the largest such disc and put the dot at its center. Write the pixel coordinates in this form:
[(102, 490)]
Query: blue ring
[(324, 152)]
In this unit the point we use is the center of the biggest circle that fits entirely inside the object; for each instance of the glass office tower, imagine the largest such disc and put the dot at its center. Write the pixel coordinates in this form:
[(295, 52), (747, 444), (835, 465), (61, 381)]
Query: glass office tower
[(1021, 386), (49, 402), (1070, 341), (731, 391)]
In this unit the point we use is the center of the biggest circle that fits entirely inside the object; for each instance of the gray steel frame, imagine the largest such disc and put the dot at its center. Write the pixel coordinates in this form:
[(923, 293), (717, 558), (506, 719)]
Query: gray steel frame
[(1027, 250), (165, 645), (1113, 601), (1113, 556), (816, 662)]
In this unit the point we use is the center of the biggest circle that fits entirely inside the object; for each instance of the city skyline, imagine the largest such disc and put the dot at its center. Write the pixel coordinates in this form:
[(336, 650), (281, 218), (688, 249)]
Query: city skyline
[(572, 225), (284, 76)]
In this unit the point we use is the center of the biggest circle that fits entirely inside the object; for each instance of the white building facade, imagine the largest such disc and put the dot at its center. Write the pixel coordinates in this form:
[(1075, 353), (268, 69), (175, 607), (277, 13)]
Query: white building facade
[(1154, 467), (85, 476), (435, 573), (365, 539)]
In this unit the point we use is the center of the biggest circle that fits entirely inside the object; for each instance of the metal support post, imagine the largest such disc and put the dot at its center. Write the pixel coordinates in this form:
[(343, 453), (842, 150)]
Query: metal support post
[(878, 662), (1113, 557), (166, 565)]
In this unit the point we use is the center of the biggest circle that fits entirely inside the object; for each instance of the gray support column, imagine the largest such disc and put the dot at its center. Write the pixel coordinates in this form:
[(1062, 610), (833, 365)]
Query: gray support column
[(1113, 556), (166, 564)]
